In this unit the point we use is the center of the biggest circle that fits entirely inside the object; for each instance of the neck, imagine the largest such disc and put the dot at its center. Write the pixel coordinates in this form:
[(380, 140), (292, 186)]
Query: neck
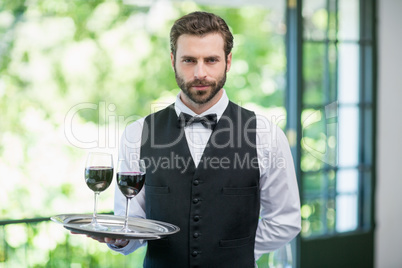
[(200, 108)]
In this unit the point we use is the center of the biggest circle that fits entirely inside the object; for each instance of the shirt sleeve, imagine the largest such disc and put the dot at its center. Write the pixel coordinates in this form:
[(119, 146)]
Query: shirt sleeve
[(280, 218), (129, 149)]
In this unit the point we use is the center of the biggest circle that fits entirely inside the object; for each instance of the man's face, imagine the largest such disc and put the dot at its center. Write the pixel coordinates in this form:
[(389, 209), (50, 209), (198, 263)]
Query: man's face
[(200, 66)]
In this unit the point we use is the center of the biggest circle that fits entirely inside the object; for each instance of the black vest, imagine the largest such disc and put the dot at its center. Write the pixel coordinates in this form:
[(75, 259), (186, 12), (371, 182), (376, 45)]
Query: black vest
[(216, 205)]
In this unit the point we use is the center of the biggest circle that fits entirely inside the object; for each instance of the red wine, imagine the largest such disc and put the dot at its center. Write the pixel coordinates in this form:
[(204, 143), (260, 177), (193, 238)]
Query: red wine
[(130, 183), (98, 178)]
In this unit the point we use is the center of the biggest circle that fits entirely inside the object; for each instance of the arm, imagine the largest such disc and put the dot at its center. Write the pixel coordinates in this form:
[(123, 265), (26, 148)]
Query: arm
[(129, 149), (280, 219)]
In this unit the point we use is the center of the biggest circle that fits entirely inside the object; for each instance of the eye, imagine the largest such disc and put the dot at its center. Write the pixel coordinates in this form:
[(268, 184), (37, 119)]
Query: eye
[(212, 60), (188, 61)]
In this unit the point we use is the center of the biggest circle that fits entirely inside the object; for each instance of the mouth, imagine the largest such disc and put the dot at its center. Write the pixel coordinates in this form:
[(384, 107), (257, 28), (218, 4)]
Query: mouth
[(201, 87)]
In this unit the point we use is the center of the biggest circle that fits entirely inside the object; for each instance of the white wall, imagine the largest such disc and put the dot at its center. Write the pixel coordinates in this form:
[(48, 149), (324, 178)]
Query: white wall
[(388, 252)]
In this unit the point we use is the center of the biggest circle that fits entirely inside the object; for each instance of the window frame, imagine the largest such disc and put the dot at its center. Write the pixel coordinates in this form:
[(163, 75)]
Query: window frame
[(353, 247)]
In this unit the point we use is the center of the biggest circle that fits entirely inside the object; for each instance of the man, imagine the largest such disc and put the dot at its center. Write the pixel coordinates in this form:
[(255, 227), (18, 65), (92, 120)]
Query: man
[(224, 176)]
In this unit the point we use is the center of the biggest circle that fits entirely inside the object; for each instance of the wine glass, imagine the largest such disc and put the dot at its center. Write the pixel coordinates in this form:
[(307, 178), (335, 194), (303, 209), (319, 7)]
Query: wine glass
[(130, 180), (98, 176)]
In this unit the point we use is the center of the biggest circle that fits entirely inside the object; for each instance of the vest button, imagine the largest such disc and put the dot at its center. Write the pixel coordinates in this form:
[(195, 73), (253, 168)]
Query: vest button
[(196, 182), (196, 218), (194, 253), (195, 200), (196, 235)]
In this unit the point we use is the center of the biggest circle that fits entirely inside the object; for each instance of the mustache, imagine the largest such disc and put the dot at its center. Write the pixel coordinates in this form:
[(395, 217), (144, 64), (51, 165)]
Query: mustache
[(198, 82)]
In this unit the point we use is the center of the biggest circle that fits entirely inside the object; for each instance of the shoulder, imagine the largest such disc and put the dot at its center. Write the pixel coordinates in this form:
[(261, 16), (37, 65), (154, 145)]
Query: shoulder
[(237, 108), (135, 124), (164, 112), (269, 135), (133, 131)]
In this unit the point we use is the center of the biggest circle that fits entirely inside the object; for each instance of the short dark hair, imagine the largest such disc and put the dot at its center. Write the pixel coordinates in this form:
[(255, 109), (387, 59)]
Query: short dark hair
[(201, 23)]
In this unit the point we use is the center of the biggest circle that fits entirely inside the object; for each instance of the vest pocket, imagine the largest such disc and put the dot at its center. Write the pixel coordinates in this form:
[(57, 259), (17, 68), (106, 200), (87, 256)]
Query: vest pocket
[(240, 191), (234, 242), (156, 189)]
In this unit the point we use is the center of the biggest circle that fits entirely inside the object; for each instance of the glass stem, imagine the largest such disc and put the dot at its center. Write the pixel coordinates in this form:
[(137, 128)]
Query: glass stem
[(127, 210), (94, 220)]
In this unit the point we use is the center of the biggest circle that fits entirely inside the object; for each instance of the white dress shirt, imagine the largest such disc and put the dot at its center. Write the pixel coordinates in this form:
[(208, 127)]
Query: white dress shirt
[(280, 219)]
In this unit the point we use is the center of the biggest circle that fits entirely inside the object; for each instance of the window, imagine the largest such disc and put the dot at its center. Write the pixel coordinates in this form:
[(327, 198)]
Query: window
[(332, 104)]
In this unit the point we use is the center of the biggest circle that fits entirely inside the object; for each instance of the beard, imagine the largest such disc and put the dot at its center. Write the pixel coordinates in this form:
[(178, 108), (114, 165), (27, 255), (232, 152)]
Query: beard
[(200, 97)]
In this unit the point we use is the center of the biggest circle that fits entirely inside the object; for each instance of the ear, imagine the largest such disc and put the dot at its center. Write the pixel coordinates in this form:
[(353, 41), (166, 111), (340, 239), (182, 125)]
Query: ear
[(172, 59), (228, 62)]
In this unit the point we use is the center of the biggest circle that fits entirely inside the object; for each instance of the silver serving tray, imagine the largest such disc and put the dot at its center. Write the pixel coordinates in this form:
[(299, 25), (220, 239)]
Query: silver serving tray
[(144, 229)]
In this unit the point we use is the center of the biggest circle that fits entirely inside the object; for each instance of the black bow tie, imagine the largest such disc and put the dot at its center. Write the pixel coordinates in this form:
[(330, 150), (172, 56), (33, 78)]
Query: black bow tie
[(209, 121)]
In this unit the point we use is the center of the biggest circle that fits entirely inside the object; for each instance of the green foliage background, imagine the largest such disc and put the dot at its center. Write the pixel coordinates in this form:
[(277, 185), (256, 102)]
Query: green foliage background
[(57, 55)]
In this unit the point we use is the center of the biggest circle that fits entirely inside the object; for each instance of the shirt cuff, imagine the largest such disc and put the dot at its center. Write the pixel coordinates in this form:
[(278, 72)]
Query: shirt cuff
[(132, 246)]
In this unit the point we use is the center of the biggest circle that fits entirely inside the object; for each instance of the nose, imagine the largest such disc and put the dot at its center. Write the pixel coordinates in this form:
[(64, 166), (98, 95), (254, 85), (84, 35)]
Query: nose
[(199, 71)]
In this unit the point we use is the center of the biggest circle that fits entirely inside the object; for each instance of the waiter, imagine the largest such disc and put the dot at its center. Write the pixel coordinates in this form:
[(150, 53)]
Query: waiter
[(222, 174)]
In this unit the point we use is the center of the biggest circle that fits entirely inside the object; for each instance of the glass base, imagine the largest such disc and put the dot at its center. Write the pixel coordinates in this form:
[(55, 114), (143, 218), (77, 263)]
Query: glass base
[(94, 226), (123, 230)]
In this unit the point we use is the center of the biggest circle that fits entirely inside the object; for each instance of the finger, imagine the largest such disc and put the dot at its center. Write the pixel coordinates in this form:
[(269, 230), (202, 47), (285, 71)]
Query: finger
[(109, 240), (99, 239), (121, 242)]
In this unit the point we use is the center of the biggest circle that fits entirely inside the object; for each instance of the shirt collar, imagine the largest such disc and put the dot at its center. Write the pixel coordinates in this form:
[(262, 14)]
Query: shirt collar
[(217, 109)]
